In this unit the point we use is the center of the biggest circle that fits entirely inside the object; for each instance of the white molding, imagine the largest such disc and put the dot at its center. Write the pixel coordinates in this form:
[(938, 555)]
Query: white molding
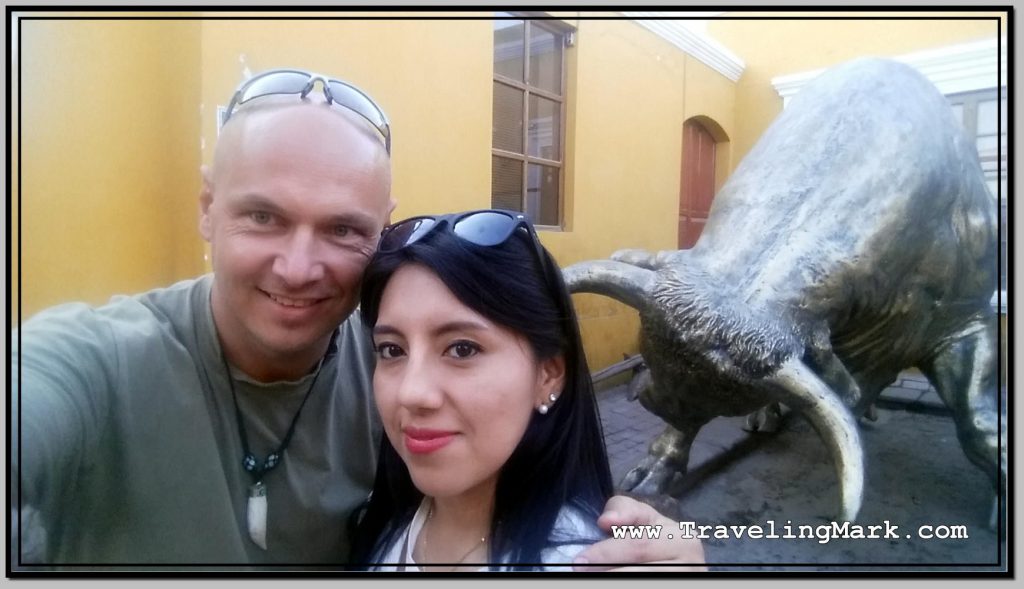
[(967, 67), (692, 41)]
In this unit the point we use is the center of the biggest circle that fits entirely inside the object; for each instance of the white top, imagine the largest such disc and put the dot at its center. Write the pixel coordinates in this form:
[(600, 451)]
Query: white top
[(570, 523)]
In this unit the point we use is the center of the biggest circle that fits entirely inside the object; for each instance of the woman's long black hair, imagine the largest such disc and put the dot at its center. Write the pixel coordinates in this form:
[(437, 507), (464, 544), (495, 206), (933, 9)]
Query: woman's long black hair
[(561, 458)]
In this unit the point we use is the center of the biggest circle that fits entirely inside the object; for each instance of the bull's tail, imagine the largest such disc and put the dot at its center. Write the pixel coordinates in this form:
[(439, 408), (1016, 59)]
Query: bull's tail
[(802, 390), (625, 283)]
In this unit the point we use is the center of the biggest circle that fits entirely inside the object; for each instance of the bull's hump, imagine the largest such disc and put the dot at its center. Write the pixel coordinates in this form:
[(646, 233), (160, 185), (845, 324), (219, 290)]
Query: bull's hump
[(861, 157)]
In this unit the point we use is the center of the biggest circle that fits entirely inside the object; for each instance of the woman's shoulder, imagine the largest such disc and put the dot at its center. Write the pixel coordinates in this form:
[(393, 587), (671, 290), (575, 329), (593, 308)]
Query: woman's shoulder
[(573, 522), (395, 553), (574, 530)]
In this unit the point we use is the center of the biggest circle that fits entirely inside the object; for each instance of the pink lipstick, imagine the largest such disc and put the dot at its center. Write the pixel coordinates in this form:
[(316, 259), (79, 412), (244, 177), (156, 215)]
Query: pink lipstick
[(425, 441)]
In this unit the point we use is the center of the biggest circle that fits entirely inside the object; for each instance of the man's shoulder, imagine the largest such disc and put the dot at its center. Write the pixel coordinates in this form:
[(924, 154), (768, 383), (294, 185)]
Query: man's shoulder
[(122, 315), (354, 342), (171, 299)]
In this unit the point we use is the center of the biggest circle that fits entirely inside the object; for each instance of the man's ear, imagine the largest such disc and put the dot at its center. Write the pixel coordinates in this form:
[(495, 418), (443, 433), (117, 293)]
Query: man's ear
[(205, 200), (392, 203), (551, 379)]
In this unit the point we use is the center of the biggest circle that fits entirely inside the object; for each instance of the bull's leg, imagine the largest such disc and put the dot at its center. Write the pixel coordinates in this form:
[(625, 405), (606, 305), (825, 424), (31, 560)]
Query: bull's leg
[(831, 369), (639, 382), (667, 456), (964, 372)]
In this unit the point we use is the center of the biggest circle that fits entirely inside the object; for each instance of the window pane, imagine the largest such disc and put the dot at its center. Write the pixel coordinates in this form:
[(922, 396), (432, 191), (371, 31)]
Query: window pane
[(987, 123), (508, 48), (545, 126), (542, 194), (506, 183), (507, 127), (987, 146), (545, 60)]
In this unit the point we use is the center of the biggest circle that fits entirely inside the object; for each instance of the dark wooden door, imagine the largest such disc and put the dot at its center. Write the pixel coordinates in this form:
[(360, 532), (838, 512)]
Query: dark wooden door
[(697, 185)]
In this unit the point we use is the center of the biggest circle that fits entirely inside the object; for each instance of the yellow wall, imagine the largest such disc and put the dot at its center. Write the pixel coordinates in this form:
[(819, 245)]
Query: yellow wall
[(110, 175), (630, 93), (432, 78), (773, 48), (109, 159)]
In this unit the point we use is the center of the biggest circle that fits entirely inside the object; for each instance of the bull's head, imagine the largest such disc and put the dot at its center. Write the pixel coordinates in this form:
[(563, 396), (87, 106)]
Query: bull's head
[(682, 328)]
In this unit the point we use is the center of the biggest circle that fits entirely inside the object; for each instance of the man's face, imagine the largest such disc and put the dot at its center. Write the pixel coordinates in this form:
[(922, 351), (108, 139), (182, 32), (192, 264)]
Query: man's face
[(292, 211)]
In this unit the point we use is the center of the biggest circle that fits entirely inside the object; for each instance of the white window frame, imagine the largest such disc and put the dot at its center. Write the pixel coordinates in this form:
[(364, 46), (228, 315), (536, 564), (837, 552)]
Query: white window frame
[(567, 34)]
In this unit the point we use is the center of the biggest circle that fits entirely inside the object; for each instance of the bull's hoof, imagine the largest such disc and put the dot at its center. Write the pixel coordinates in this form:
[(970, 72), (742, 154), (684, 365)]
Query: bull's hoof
[(764, 420), (651, 482), (871, 414), (633, 479), (640, 382)]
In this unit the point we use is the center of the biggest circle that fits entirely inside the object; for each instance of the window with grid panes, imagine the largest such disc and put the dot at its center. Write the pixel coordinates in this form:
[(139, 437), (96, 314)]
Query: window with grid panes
[(529, 109), (983, 115)]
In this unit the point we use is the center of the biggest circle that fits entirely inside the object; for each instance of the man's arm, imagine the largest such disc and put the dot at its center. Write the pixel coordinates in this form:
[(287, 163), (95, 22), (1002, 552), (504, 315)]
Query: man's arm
[(610, 554), (60, 365)]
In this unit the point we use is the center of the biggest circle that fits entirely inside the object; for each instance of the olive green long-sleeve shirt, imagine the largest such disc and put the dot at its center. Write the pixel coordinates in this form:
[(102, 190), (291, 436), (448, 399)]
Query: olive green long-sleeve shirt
[(129, 448)]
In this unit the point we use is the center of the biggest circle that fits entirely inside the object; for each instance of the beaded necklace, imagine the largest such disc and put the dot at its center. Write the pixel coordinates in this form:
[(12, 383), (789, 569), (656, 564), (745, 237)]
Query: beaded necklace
[(256, 506)]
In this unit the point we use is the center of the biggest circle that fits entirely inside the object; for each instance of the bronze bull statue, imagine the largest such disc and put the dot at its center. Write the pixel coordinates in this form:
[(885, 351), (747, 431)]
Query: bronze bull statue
[(857, 239)]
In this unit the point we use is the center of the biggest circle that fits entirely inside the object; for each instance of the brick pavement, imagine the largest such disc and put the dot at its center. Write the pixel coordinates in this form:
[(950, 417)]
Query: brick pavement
[(629, 428), (915, 473)]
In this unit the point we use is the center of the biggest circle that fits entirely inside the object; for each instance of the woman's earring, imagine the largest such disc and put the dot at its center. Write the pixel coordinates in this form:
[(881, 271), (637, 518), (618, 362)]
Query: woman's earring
[(544, 407)]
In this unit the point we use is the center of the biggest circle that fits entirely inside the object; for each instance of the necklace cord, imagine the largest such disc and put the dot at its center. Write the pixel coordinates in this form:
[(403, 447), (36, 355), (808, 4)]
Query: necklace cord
[(249, 462), (430, 516)]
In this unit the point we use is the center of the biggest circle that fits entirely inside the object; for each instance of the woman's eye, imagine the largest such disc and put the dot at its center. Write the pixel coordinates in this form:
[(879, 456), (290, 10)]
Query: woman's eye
[(260, 217), (463, 349), (388, 351)]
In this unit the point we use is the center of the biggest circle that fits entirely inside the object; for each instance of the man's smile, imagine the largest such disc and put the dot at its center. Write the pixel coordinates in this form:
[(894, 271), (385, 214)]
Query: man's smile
[(297, 303)]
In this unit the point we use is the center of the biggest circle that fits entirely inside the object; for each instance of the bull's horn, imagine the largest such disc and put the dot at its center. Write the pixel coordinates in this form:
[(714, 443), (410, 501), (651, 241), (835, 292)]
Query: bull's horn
[(626, 283), (805, 392)]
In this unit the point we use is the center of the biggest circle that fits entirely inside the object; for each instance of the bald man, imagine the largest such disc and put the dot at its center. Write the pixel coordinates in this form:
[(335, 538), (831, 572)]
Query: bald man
[(229, 419), (136, 416)]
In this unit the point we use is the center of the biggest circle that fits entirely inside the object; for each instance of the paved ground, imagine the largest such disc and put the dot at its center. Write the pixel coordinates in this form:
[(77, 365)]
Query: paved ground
[(916, 475)]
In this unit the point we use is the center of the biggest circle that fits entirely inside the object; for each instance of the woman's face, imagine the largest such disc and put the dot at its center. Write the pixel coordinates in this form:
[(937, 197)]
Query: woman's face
[(455, 390)]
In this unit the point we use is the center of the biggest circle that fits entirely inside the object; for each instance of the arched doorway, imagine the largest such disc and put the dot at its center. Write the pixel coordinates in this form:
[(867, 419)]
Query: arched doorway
[(697, 181)]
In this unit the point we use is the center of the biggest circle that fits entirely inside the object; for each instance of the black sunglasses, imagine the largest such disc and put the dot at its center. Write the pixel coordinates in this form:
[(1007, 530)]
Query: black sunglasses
[(487, 227), (285, 81)]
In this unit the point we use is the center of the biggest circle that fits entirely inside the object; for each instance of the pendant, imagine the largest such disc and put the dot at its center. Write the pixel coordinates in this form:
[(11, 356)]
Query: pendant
[(257, 514)]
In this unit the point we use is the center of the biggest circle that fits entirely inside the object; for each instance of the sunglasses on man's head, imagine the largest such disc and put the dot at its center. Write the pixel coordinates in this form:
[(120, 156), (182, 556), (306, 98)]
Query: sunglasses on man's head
[(301, 82)]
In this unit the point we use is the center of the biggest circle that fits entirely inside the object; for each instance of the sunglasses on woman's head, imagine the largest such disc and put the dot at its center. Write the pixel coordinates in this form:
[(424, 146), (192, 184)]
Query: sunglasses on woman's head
[(302, 82), (487, 227)]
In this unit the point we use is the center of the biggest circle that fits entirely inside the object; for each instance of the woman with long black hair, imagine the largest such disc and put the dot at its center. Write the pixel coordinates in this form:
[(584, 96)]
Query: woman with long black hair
[(493, 456)]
